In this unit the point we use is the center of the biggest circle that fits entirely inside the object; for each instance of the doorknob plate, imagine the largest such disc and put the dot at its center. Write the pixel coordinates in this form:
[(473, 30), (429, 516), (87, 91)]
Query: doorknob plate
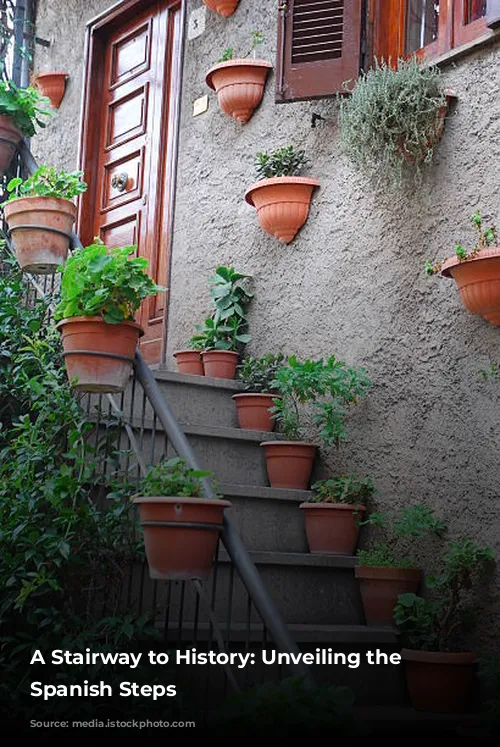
[(119, 181)]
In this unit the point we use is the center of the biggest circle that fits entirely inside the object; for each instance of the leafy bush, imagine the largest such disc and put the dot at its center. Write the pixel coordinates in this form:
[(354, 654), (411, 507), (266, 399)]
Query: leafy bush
[(97, 281), (486, 237), (257, 374), (48, 182), (25, 107), (173, 478), (345, 489), (285, 161)]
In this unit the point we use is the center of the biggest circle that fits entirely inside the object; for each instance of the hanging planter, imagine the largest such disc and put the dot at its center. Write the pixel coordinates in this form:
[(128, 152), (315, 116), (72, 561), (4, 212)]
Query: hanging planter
[(189, 362), (52, 85), (224, 8), (380, 588), (21, 110), (239, 85), (10, 138)]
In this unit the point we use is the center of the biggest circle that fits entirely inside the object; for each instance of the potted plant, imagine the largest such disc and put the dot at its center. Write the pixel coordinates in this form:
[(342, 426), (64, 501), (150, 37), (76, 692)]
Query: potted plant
[(394, 119), (21, 109), (476, 273), (254, 406), (101, 291), (52, 85), (40, 213), (225, 8), (439, 672), (181, 528), (281, 197), (189, 361), (333, 514), (239, 81), (384, 573), (314, 396)]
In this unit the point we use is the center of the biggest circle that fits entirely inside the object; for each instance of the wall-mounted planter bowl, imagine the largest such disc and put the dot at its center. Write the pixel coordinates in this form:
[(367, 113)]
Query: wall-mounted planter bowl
[(253, 411), (180, 535), (99, 357), (289, 463), (189, 362), (439, 682), (52, 85), (478, 281), (434, 140), (41, 231), (220, 364), (282, 204), (239, 85), (10, 138), (332, 528), (224, 8), (380, 589)]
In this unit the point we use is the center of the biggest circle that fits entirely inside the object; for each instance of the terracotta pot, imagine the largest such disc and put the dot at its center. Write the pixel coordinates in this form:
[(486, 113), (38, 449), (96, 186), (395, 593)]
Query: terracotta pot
[(434, 140), (253, 411), (180, 535), (99, 357), (478, 281), (220, 364), (41, 231), (189, 362), (10, 137), (52, 85), (282, 204), (239, 85), (289, 463), (225, 8), (439, 682), (380, 589), (332, 527)]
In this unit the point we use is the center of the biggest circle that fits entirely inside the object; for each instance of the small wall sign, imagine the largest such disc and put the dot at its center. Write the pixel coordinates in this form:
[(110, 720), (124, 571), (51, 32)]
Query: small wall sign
[(200, 105), (196, 23)]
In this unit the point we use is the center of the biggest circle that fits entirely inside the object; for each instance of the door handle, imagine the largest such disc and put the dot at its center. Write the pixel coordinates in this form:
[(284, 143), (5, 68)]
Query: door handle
[(119, 181)]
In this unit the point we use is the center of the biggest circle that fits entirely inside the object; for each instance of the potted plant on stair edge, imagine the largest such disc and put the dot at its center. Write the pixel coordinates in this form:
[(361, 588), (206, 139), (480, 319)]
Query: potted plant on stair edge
[(21, 111), (101, 291), (254, 406)]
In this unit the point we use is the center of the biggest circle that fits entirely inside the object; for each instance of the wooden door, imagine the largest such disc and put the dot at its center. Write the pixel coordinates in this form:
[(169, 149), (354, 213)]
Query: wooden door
[(133, 95)]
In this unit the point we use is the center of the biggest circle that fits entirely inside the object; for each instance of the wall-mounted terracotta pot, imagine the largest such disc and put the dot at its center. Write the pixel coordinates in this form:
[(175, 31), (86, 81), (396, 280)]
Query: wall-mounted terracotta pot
[(439, 682), (225, 8), (41, 231), (253, 411), (434, 140), (478, 281), (10, 137), (189, 362), (239, 84), (99, 357), (52, 85), (282, 204), (380, 589), (220, 364), (332, 527), (289, 463), (180, 535)]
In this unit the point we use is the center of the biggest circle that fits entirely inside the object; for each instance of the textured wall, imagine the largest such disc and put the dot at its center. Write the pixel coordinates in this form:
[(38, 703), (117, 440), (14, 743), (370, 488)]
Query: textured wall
[(352, 283)]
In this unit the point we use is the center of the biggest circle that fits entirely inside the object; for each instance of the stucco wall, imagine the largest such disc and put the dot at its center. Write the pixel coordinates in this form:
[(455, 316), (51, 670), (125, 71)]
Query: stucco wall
[(352, 283)]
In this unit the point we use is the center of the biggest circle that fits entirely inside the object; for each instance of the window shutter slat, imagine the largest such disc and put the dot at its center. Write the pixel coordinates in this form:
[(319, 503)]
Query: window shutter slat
[(318, 47)]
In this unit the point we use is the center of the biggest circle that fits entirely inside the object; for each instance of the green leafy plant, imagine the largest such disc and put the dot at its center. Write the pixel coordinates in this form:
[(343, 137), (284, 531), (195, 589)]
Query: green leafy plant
[(98, 281), (48, 182), (487, 236), (257, 374), (173, 477), (25, 107), (435, 624), (229, 53), (285, 161), (315, 396), (344, 489), (393, 119)]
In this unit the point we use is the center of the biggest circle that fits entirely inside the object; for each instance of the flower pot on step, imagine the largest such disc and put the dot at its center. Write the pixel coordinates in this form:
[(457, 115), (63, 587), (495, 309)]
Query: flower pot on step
[(289, 463), (189, 362), (41, 231), (478, 281), (52, 85), (224, 8), (99, 357), (239, 85), (439, 682), (10, 138), (220, 364), (180, 535), (254, 411), (380, 588), (282, 204), (332, 527)]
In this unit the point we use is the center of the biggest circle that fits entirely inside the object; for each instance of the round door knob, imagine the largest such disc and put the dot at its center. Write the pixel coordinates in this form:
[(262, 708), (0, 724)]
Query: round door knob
[(119, 181)]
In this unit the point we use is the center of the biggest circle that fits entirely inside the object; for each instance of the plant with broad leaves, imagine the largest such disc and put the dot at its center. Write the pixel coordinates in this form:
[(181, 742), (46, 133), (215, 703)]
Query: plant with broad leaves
[(214, 335), (48, 182), (487, 236), (257, 374), (26, 107), (173, 477), (345, 489), (98, 281), (229, 53), (284, 161)]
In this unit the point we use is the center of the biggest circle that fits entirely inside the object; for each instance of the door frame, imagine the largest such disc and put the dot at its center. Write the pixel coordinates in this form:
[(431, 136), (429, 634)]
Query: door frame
[(97, 32)]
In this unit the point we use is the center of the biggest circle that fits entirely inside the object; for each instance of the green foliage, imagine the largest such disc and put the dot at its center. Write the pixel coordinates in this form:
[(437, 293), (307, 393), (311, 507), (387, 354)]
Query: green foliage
[(486, 236), (25, 107), (285, 161), (48, 182), (328, 387), (434, 624), (257, 374), (98, 281), (173, 478), (343, 489), (381, 556), (392, 121), (229, 53)]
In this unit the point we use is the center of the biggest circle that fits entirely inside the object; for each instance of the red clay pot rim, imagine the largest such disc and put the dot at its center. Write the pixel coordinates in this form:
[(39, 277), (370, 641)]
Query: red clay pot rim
[(60, 201), (237, 62), (338, 506), (92, 319), (256, 394), (180, 499), (288, 443), (225, 352), (263, 183), (452, 262), (438, 657), (49, 74), (367, 571), (183, 352)]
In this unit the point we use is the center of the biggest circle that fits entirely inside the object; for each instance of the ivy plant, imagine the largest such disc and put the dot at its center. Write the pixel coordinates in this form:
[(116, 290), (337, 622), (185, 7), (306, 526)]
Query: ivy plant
[(48, 182), (26, 107), (344, 489), (173, 477), (257, 374), (284, 161), (229, 53), (98, 281), (486, 236)]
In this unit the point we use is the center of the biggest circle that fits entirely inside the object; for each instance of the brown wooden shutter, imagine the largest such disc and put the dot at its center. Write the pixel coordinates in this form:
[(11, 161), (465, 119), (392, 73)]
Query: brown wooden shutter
[(318, 47), (493, 13)]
